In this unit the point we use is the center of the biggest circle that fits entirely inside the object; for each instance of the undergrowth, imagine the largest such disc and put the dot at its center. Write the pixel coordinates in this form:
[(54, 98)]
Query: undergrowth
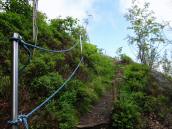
[(135, 101)]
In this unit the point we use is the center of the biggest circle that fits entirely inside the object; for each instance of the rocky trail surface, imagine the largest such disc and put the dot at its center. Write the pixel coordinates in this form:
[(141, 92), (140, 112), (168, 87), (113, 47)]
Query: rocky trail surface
[(99, 116)]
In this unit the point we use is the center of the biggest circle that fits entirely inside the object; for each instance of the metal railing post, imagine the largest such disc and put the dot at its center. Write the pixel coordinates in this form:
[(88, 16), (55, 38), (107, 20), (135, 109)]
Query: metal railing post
[(15, 81)]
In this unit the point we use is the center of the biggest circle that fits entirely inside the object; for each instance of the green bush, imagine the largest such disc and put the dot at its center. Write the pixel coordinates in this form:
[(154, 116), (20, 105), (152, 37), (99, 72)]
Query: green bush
[(136, 77), (139, 98), (126, 115), (135, 103), (5, 84), (98, 86), (46, 84), (154, 104), (85, 98), (67, 116), (127, 112), (124, 59)]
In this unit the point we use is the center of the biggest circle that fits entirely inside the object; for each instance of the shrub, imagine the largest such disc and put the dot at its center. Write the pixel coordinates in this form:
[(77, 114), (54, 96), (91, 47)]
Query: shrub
[(46, 84), (136, 77), (98, 86), (124, 59), (67, 116), (85, 98), (139, 98), (153, 104), (135, 103), (127, 112), (5, 83), (126, 115)]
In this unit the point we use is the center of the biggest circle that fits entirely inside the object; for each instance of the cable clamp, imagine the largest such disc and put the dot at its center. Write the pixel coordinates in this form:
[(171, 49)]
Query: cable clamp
[(18, 39), (20, 119), (24, 120)]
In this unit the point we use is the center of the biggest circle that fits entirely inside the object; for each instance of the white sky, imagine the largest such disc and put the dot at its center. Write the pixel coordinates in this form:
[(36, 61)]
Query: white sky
[(64, 8), (79, 8), (104, 23), (162, 8)]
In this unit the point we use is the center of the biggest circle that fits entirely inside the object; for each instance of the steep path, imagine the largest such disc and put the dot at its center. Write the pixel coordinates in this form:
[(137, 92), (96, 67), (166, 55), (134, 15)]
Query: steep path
[(100, 115)]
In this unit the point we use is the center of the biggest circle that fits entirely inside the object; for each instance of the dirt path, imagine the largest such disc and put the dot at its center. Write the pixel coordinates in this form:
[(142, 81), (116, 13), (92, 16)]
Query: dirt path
[(100, 115), (153, 123)]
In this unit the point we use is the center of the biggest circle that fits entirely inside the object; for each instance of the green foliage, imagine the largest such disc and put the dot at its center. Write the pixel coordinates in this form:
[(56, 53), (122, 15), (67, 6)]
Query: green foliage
[(46, 84), (5, 84), (68, 118), (18, 6), (124, 59), (97, 84), (153, 104), (126, 115), (139, 98), (127, 110), (147, 33), (135, 102), (136, 76), (94, 59)]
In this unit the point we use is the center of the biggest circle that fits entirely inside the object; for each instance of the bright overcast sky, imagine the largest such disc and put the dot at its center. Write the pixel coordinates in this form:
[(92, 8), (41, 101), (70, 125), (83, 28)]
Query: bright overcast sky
[(107, 26)]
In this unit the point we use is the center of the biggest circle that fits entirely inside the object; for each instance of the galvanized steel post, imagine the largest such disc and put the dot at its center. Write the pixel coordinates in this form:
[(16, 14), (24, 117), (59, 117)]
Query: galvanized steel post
[(15, 80)]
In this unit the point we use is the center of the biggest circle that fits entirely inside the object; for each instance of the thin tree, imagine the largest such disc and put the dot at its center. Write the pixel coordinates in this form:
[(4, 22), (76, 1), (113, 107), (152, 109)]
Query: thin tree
[(147, 33)]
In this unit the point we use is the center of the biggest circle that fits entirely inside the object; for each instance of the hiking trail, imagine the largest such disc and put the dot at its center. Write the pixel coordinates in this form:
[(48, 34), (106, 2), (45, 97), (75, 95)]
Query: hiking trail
[(99, 116)]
